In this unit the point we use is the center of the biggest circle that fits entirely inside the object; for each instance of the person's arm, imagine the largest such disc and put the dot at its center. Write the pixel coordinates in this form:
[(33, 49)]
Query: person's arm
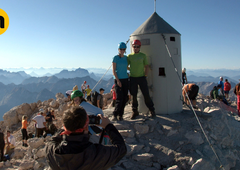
[(109, 155), (186, 79), (146, 67), (115, 74), (98, 105)]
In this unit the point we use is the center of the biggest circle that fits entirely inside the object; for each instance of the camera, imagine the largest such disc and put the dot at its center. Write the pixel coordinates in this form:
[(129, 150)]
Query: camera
[(94, 119)]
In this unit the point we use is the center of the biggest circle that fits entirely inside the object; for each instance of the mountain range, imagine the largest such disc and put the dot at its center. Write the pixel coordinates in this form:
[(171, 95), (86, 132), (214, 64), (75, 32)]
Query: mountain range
[(19, 87)]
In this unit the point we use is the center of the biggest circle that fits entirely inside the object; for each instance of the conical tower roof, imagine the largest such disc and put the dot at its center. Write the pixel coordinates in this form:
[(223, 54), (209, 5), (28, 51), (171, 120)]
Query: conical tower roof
[(155, 24)]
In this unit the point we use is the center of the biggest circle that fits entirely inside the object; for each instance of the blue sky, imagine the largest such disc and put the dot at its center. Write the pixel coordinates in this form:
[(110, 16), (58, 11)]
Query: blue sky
[(84, 33)]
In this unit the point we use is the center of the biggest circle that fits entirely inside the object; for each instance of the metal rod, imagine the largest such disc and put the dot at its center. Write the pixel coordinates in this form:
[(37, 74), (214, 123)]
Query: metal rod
[(154, 5)]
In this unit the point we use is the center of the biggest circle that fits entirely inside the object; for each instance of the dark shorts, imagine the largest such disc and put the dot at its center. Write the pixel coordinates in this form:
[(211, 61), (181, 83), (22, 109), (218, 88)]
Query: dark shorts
[(24, 134), (193, 92), (226, 92)]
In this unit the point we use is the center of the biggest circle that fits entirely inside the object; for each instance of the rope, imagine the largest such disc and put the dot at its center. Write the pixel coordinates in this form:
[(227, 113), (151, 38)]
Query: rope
[(221, 166), (101, 78), (106, 71)]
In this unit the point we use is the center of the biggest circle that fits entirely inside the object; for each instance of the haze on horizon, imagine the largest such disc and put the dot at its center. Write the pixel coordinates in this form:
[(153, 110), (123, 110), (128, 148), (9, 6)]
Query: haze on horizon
[(73, 34)]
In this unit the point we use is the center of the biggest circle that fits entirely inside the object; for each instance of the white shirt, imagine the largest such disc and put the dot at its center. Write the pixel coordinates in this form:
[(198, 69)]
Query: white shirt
[(83, 87), (11, 140), (40, 120)]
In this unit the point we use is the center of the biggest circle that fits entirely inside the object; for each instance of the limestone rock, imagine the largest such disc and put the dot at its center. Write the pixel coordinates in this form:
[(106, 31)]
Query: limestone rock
[(40, 153), (19, 152), (24, 109), (127, 133), (27, 164), (10, 118), (7, 163), (174, 167), (121, 126), (45, 103), (146, 157), (59, 96), (53, 104), (1, 164), (134, 149), (33, 106), (194, 137), (141, 129), (35, 142)]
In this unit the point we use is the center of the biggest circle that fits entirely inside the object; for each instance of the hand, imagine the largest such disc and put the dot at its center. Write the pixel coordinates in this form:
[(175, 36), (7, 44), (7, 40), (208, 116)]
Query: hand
[(105, 121), (119, 83)]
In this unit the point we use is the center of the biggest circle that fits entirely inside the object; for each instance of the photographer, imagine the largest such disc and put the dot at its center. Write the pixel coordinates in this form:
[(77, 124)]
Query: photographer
[(71, 149)]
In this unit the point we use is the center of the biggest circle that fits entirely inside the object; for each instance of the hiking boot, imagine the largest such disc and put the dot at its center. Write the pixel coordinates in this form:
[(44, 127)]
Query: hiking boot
[(134, 114), (120, 118), (114, 118), (153, 114)]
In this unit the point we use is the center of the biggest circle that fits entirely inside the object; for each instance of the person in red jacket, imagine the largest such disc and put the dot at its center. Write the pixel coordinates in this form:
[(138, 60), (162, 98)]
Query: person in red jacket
[(227, 88)]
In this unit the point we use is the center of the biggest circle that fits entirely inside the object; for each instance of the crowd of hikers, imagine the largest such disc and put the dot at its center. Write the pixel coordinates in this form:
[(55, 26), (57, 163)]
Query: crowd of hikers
[(219, 92), (86, 133)]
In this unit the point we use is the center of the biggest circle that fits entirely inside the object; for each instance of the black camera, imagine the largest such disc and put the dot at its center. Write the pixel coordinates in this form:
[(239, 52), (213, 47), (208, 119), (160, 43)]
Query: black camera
[(94, 119)]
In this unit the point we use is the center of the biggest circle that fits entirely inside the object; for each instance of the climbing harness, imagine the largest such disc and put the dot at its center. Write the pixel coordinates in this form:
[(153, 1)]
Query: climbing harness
[(221, 165)]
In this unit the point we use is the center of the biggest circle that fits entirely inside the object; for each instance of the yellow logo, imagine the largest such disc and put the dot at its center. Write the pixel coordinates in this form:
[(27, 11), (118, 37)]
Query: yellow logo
[(4, 21)]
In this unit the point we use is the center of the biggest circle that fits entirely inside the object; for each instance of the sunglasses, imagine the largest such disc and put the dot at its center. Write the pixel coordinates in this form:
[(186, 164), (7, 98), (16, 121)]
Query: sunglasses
[(122, 49), (136, 46)]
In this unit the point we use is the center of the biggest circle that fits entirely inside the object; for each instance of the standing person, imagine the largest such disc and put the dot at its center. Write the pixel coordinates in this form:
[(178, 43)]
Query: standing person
[(120, 64), (222, 84), (11, 143), (50, 126), (100, 99), (40, 124), (138, 71), (237, 87), (88, 90), (114, 98), (83, 88), (2, 145), (227, 88), (184, 77), (71, 148), (24, 131)]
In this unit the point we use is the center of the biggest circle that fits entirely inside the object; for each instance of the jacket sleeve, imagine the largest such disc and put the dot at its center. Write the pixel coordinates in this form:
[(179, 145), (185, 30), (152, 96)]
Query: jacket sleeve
[(108, 156)]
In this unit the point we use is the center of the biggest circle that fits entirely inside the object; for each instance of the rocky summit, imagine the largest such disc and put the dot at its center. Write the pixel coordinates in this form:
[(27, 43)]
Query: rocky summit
[(208, 140)]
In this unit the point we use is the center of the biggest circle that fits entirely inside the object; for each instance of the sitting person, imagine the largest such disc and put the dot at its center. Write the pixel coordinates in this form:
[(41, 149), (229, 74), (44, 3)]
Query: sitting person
[(191, 90), (215, 95), (71, 149), (11, 143)]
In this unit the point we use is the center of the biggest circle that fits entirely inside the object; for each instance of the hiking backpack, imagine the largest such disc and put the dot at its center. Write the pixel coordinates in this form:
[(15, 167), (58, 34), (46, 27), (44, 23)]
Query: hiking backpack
[(94, 98), (235, 89)]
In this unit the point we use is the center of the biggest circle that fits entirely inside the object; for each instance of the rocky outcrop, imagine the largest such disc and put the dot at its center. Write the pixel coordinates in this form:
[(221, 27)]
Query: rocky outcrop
[(168, 142)]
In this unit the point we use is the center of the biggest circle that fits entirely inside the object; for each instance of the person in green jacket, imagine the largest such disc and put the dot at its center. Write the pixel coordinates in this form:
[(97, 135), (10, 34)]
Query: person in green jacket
[(215, 92)]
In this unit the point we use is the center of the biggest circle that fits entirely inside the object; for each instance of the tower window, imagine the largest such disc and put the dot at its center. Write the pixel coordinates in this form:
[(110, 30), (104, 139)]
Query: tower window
[(162, 71), (172, 38)]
